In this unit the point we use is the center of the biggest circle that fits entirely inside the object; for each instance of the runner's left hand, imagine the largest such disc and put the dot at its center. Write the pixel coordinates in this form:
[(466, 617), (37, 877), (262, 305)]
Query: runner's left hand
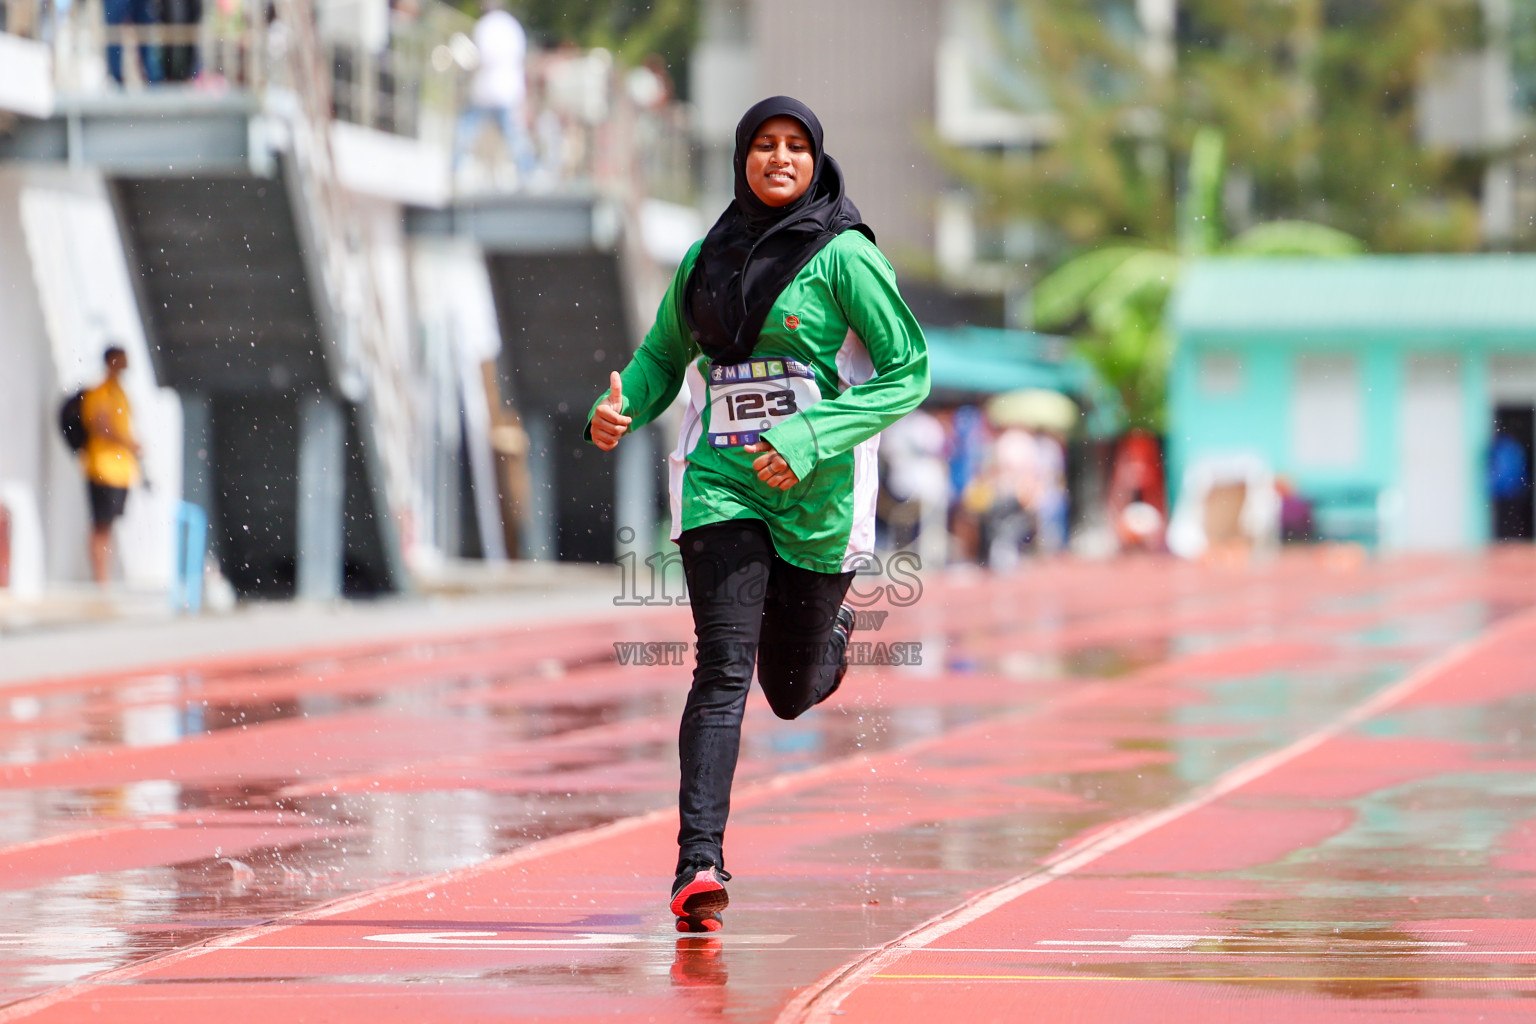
[(772, 469)]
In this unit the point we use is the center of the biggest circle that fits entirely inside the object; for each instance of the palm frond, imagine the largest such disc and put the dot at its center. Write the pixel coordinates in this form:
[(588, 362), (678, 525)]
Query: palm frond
[(1202, 228), (1136, 291), (1062, 296), (1294, 238)]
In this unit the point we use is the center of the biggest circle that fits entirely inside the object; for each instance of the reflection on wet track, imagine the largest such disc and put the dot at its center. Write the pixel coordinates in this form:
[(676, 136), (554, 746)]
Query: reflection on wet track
[(143, 814)]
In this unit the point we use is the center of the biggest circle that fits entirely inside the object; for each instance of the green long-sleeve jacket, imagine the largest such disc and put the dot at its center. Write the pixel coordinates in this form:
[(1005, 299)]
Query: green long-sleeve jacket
[(843, 317)]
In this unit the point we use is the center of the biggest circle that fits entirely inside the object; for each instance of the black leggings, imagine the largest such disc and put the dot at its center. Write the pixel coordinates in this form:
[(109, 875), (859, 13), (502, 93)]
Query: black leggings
[(749, 607)]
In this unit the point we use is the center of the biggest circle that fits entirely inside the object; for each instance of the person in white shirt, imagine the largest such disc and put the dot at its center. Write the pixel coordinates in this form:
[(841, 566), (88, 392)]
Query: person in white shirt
[(1052, 502), (499, 91)]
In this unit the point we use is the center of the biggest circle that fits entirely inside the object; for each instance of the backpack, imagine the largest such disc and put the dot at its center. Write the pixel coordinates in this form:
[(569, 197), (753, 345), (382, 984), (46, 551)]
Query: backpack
[(72, 421)]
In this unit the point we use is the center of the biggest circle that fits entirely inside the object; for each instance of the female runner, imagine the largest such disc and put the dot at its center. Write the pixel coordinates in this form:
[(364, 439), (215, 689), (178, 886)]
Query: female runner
[(796, 349)]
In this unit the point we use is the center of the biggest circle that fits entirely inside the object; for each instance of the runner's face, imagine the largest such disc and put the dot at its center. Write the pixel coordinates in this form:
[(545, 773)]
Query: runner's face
[(780, 162)]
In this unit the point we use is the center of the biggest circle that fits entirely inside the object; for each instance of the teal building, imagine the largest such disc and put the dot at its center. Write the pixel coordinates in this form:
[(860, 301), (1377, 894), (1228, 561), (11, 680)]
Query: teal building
[(1373, 385)]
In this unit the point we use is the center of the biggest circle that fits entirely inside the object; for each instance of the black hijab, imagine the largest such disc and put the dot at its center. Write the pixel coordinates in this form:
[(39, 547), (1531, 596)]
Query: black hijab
[(755, 250)]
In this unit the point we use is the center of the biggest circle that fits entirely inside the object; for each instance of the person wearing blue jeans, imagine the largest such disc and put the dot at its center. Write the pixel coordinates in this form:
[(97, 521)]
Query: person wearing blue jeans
[(133, 12), (499, 90), (509, 121)]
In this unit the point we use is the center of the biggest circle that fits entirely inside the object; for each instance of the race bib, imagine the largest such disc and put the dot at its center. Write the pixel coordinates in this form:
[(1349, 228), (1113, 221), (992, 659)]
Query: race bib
[(746, 399)]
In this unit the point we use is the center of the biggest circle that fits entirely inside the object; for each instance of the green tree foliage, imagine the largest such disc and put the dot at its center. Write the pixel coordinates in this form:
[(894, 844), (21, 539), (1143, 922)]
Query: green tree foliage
[(1315, 98), (1311, 103), (1118, 293), (1103, 174), (1319, 105)]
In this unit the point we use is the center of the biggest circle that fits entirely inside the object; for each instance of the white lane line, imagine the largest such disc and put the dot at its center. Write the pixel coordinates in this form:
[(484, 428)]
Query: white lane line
[(347, 904), (1311, 953), (608, 942), (774, 942), (491, 940), (1355, 979), (1186, 941), (818, 1003), (398, 994)]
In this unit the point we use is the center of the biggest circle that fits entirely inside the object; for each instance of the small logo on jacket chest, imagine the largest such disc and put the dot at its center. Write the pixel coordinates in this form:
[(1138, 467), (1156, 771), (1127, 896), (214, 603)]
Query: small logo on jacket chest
[(791, 322)]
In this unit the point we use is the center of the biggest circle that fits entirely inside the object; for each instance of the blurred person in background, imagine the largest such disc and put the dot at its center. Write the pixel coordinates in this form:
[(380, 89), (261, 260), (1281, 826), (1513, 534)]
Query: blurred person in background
[(1295, 513), (180, 58), (110, 458), (577, 89), (1509, 485), (917, 481), (1139, 526), (399, 113), (1052, 502), (969, 445), (969, 442), (499, 90), (404, 15), (1137, 479), (133, 12), (550, 127), (39, 20), (649, 85), (1004, 495), (649, 89)]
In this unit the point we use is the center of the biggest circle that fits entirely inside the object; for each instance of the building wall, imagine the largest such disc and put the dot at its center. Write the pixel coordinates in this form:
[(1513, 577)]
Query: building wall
[(867, 69), (65, 293), (1245, 397), (29, 457)]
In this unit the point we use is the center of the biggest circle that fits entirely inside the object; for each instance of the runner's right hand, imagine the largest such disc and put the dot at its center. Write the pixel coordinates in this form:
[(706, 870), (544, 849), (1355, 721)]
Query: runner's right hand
[(608, 424)]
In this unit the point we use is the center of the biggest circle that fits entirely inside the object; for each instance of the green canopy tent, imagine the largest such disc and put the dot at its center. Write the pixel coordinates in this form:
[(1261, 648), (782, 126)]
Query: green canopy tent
[(970, 364)]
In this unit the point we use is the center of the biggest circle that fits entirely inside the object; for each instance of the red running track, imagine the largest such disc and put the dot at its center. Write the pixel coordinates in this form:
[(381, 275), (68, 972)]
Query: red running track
[(1143, 790)]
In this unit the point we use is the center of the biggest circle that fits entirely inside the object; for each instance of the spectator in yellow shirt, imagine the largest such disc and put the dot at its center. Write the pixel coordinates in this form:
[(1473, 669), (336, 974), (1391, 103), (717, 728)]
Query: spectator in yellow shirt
[(110, 457)]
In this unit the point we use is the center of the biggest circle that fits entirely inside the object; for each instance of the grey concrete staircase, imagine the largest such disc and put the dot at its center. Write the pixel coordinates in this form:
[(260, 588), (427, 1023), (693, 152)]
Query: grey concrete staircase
[(225, 291), (560, 274), (231, 314)]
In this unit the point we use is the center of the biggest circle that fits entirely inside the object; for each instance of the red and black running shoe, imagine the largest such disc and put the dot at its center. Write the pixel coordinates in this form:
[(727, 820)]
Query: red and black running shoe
[(698, 896)]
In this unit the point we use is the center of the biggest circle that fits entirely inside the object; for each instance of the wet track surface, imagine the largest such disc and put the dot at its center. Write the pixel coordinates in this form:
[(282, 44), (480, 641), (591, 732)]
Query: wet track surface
[(479, 827)]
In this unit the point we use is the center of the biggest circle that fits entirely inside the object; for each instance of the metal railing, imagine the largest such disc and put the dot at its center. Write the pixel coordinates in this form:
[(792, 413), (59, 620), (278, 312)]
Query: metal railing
[(239, 45), (219, 50), (583, 113), (400, 87), (368, 372), (584, 117)]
